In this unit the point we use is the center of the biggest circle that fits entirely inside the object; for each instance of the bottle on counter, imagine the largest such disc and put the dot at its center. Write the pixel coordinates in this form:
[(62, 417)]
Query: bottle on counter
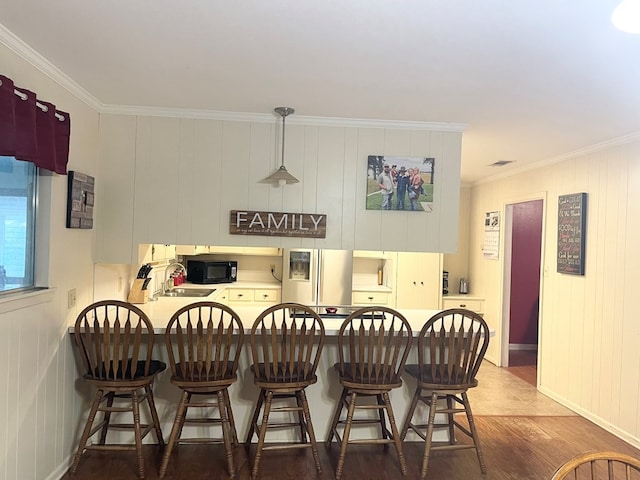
[(380, 276)]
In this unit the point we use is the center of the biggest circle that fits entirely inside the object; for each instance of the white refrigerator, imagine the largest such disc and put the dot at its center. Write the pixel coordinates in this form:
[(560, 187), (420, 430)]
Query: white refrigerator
[(317, 277)]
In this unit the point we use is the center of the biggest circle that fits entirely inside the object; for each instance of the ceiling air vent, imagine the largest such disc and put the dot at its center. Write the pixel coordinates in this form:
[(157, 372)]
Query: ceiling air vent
[(501, 163)]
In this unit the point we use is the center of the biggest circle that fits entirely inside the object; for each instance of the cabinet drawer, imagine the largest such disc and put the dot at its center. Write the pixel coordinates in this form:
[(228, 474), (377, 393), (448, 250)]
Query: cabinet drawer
[(266, 295), (370, 298), (470, 304), (240, 295)]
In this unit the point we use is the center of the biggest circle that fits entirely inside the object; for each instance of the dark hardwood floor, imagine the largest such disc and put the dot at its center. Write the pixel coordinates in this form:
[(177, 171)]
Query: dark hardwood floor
[(515, 448)]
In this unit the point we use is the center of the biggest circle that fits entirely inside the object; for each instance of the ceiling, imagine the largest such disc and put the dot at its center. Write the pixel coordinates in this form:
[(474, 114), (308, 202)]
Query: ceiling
[(533, 80)]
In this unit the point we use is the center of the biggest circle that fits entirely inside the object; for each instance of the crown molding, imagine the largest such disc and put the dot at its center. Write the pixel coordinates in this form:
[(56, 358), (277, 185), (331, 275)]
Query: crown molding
[(614, 142), (15, 44), (271, 117)]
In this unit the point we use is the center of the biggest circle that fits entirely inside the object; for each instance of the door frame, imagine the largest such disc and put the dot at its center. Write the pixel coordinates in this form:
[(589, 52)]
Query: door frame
[(507, 212)]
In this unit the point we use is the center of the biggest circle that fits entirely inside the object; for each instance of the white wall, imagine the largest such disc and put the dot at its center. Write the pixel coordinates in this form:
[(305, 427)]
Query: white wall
[(589, 329), (38, 410), (175, 180)]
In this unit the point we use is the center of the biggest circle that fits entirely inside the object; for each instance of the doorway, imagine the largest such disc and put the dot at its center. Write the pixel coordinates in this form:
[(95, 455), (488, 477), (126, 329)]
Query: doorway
[(522, 282)]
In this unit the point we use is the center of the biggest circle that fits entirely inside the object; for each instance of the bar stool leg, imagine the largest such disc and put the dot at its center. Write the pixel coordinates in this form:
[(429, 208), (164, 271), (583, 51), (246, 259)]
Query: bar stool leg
[(106, 418), (410, 412), (429, 436), (135, 406), (301, 416), (154, 415), (87, 430), (254, 418), (474, 432), (312, 435), (226, 433), (232, 423), (347, 431), (336, 418), (383, 423), (263, 433), (394, 432), (175, 432)]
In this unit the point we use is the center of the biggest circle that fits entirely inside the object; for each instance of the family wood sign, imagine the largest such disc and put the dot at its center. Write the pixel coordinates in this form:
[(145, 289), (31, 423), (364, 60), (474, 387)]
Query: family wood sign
[(278, 224)]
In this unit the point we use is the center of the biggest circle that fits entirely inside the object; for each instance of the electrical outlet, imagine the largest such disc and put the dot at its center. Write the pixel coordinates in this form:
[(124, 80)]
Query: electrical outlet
[(71, 298)]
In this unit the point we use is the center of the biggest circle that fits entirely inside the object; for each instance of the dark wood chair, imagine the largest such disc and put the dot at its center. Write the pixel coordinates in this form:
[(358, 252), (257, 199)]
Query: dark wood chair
[(116, 343), (286, 342), (204, 341), (451, 346), (373, 345), (599, 466)]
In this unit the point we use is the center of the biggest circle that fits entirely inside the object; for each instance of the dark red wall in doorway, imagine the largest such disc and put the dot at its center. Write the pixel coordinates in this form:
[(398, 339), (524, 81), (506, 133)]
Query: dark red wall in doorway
[(525, 272)]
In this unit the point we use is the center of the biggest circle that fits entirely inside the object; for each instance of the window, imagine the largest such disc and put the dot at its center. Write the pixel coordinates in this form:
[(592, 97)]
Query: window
[(18, 193)]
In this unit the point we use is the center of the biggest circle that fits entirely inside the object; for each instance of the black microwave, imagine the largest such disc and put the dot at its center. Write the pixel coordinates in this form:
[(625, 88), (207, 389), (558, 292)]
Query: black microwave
[(202, 271)]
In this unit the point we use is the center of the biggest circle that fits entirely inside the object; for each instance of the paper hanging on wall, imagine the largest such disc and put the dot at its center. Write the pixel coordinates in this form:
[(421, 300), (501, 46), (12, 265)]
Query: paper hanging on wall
[(491, 245)]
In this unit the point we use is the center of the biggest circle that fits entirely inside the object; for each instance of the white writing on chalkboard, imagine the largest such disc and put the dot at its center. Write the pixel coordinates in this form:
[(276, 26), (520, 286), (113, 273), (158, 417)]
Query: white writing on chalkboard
[(571, 239)]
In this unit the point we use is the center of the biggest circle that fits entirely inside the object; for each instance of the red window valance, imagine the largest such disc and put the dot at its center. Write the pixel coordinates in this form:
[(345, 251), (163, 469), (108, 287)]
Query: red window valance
[(33, 130)]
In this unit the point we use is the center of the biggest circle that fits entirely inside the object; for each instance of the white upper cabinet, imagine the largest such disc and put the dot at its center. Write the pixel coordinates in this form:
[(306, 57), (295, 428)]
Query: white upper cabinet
[(419, 280), (175, 181)]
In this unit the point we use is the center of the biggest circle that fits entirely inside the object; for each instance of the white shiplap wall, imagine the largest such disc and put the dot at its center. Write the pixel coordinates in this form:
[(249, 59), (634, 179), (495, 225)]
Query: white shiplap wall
[(175, 180), (589, 328), (39, 404)]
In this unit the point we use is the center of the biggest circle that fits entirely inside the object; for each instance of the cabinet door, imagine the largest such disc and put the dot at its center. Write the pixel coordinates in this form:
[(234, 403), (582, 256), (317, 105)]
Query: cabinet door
[(419, 280)]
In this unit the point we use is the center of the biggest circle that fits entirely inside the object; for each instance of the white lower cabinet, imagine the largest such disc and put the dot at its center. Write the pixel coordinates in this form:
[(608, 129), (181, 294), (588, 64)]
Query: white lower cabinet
[(257, 296), (474, 304), (370, 298)]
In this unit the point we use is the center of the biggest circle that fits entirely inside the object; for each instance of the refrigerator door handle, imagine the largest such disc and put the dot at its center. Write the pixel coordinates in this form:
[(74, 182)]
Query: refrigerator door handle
[(318, 292)]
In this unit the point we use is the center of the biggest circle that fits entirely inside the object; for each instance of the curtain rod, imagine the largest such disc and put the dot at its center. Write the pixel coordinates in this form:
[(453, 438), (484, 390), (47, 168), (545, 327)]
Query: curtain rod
[(41, 106)]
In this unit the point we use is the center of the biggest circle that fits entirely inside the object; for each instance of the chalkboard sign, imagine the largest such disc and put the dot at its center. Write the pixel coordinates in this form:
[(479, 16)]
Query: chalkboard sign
[(572, 222)]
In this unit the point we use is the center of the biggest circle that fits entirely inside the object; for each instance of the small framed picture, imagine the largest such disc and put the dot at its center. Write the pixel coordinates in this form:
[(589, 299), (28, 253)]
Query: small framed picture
[(80, 200), (400, 183)]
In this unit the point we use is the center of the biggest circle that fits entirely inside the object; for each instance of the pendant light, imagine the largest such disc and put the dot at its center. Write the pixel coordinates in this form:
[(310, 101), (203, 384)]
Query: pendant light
[(282, 176), (626, 16)]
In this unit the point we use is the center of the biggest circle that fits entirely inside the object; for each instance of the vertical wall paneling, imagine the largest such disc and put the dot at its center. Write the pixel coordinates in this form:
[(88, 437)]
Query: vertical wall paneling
[(330, 181), (143, 198), (368, 222), (188, 175), (207, 177), (236, 181), (353, 168), (261, 159), (589, 332), (183, 191), (115, 193), (447, 222), (165, 160)]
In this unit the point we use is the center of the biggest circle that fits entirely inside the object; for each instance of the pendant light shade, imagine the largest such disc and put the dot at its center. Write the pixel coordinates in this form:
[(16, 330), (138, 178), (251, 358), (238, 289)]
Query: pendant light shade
[(626, 16), (281, 176)]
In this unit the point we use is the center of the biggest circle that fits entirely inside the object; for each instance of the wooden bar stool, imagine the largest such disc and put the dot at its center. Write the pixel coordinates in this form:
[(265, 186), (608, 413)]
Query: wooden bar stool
[(373, 345), (451, 346), (599, 466), (204, 341), (116, 343), (286, 342)]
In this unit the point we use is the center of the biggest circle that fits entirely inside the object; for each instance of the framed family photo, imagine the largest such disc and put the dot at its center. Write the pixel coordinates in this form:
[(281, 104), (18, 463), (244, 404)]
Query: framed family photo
[(400, 183)]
